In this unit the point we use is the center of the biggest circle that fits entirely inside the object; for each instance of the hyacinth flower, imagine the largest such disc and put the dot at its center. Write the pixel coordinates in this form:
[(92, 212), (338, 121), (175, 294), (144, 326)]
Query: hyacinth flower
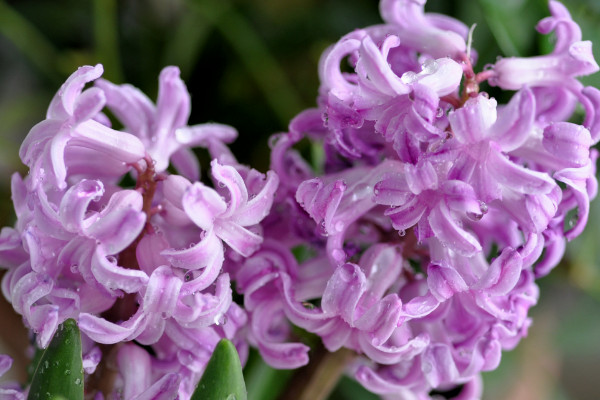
[(472, 196), (143, 263)]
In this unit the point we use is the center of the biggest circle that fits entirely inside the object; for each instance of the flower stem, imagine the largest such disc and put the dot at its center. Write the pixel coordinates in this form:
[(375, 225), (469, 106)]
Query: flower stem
[(317, 380)]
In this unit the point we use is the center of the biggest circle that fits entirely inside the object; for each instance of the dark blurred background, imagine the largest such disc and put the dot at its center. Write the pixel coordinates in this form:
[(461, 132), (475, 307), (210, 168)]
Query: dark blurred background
[(253, 64)]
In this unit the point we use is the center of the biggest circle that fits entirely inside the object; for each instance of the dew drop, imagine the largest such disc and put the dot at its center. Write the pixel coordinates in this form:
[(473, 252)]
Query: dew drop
[(188, 276), (483, 207), (78, 381), (220, 319), (430, 66), (68, 372), (402, 233), (440, 112), (409, 78)]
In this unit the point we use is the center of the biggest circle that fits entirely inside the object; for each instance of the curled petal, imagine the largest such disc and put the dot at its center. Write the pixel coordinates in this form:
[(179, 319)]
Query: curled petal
[(64, 101), (443, 76), (515, 121), (471, 122), (204, 134), (320, 200), (447, 230), (444, 282), (418, 32), (388, 355), (377, 72), (111, 276), (438, 365), (240, 239), (88, 105), (380, 320), (343, 292), (74, 204), (205, 253), (518, 178), (228, 176), (502, 275), (329, 69), (119, 223), (162, 292), (102, 331), (117, 145), (576, 180), (203, 205), (255, 210), (203, 309), (407, 215), (569, 143)]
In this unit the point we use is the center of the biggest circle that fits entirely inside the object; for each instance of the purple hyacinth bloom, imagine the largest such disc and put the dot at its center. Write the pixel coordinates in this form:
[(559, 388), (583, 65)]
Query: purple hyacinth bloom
[(143, 263), (439, 178)]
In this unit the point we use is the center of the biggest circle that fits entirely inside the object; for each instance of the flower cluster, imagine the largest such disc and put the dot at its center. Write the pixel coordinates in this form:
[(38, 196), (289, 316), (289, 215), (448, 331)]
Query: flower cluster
[(435, 209), (141, 263), (416, 242)]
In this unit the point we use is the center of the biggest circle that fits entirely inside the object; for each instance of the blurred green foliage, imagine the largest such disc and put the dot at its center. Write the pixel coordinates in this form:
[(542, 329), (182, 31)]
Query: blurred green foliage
[(253, 64)]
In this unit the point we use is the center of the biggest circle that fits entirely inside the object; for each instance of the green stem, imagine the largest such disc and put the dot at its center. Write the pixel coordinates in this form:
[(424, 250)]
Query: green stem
[(317, 380)]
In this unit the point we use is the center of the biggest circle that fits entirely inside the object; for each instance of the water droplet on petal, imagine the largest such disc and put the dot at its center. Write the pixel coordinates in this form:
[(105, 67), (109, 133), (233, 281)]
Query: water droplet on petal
[(409, 78), (483, 207), (430, 66)]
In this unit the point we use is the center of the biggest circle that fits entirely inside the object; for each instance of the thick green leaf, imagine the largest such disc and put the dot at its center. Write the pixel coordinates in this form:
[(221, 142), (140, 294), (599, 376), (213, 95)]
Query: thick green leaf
[(223, 378), (59, 374)]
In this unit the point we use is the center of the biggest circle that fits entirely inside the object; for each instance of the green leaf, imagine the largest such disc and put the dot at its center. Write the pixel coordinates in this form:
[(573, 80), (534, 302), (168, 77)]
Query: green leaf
[(59, 374), (223, 378)]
